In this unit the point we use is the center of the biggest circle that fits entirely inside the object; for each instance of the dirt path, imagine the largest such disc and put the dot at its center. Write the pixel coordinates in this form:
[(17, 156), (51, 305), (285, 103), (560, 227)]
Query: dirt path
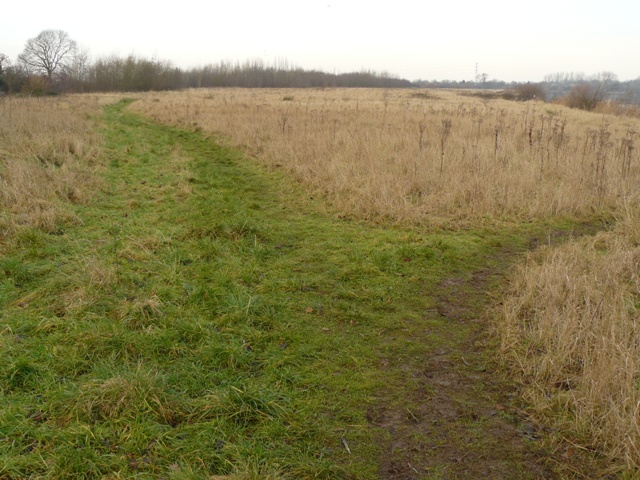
[(462, 423)]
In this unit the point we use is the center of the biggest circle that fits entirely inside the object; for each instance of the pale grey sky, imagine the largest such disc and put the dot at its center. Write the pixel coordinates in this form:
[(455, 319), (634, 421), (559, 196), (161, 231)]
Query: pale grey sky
[(509, 40)]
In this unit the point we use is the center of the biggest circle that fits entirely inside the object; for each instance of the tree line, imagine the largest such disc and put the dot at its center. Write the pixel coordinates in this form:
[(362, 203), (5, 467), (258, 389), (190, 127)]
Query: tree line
[(53, 63)]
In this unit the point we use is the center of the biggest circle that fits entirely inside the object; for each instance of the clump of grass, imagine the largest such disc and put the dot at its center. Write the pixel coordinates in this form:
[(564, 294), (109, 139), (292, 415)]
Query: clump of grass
[(570, 325)]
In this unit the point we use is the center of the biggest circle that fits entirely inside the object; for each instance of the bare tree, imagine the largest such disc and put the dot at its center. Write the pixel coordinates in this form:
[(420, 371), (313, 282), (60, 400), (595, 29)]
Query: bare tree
[(48, 53), (77, 70)]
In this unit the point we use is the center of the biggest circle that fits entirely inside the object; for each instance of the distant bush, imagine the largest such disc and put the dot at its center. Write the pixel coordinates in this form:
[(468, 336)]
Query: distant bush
[(584, 96), (588, 95), (423, 95), (526, 91), (36, 86), (483, 94)]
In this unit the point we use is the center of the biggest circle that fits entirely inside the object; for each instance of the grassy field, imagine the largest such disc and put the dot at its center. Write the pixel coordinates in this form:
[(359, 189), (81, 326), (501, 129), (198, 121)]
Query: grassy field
[(433, 158), (199, 318), (449, 160), (49, 150), (170, 308)]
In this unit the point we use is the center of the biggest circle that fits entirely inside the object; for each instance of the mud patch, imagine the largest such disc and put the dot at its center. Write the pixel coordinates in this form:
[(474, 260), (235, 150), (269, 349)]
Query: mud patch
[(458, 419)]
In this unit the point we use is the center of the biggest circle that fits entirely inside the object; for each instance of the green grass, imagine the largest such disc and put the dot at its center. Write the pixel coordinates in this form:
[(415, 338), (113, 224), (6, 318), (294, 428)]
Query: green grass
[(204, 319)]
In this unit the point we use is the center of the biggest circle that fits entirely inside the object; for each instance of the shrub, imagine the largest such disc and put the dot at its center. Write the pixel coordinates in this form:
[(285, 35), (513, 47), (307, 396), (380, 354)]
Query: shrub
[(526, 91), (36, 86), (584, 96)]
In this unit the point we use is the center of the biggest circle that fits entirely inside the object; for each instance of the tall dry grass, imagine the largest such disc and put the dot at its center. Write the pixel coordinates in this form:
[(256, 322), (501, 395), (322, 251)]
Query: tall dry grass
[(49, 151), (423, 157), (572, 325)]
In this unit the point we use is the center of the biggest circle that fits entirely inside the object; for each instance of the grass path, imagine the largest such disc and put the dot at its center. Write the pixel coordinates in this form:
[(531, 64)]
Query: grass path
[(205, 320)]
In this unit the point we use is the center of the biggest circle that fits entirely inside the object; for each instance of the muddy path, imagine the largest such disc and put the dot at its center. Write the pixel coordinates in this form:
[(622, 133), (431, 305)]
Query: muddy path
[(461, 419)]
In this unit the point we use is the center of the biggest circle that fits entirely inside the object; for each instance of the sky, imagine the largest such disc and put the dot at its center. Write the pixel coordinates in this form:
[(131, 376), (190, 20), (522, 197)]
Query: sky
[(511, 40)]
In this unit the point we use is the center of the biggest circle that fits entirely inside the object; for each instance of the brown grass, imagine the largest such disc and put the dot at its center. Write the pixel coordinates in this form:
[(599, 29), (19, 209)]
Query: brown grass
[(49, 152), (619, 109), (571, 324), (385, 154)]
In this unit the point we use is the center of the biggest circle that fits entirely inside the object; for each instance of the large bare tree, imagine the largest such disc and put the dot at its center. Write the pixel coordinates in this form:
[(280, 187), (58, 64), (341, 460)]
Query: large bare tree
[(48, 53)]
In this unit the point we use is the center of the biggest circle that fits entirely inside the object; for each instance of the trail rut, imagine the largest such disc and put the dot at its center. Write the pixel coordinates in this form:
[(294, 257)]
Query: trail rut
[(463, 422)]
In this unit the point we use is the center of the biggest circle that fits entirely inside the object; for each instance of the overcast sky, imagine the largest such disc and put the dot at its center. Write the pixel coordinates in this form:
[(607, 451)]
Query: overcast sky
[(509, 40)]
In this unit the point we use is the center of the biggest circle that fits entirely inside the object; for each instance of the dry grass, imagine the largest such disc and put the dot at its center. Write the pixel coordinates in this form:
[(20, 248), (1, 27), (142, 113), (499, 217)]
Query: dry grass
[(618, 109), (572, 325), (439, 158), (48, 157)]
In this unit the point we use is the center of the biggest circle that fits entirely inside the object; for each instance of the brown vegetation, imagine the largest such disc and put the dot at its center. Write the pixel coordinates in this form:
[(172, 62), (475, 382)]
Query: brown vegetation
[(571, 323), (48, 155), (584, 96), (618, 109), (385, 154), (526, 91)]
